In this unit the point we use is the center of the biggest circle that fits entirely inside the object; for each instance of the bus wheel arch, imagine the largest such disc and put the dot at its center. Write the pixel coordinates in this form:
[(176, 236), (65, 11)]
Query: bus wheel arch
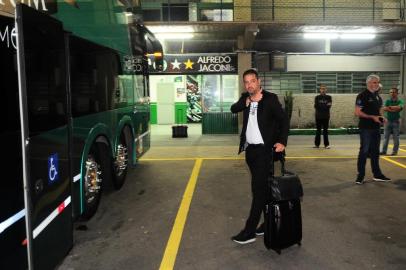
[(124, 156)]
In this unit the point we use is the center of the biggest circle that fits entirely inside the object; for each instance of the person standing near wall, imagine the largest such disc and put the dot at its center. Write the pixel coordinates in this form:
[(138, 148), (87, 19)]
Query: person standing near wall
[(322, 104), (393, 107), (368, 107)]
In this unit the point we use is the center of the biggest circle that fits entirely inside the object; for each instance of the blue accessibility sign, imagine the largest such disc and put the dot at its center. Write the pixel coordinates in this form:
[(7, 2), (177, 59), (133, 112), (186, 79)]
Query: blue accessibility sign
[(53, 168)]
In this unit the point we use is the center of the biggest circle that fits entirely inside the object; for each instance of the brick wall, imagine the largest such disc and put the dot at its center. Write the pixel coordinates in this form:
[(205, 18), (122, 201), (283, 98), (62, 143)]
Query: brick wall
[(242, 10)]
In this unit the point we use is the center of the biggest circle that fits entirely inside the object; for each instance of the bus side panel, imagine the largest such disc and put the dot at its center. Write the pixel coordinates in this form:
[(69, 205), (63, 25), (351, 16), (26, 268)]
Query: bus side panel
[(13, 253), (43, 67)]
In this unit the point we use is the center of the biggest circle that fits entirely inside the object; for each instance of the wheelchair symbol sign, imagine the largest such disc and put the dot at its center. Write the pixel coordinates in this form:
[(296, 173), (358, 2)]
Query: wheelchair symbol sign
[(53, 168)]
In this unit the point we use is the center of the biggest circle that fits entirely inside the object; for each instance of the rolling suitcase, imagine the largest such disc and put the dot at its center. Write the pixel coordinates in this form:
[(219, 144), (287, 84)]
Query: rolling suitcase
[(282, 214), (179, 131)]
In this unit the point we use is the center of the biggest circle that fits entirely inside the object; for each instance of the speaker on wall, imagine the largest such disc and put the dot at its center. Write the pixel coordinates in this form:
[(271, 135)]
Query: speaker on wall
[(262, 62), (278, 62)]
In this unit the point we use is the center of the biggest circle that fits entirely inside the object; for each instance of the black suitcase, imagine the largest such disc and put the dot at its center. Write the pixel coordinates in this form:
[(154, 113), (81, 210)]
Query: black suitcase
[(179, 131), (282, 214), (283, 224)]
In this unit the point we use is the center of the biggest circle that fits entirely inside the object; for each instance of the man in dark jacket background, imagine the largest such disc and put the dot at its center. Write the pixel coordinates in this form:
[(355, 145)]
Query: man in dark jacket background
[(265, 126), (322, 104)]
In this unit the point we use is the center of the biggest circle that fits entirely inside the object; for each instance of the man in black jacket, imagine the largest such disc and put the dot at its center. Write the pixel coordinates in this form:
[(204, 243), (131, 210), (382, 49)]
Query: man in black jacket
[(322, 104), (265, 126)]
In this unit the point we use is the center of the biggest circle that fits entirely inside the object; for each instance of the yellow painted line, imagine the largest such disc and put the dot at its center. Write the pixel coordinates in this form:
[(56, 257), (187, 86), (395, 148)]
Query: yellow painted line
[(394, 162), (400, 147), (168, 159), (240, 158), (320, 157), (171, 250)]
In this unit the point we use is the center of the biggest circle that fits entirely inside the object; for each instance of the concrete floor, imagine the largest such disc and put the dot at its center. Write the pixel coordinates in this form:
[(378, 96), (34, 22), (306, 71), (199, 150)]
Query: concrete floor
[(345, 226)]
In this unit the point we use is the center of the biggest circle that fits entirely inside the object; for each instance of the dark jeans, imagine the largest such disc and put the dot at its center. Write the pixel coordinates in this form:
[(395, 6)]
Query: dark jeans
[(369, 147), (258, 161), (392, 126), (322, 123)]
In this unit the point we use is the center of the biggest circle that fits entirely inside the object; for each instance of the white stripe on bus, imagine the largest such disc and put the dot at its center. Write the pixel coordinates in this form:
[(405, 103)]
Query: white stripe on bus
[(76, 178), (51, 217), (11, 220), (142, 135)]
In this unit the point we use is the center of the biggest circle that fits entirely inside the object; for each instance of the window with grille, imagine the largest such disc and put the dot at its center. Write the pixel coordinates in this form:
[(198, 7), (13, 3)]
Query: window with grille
[(336, 82)]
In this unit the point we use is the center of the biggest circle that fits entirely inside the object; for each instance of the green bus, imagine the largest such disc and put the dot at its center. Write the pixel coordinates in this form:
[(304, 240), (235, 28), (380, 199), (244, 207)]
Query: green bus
[(75, 118)]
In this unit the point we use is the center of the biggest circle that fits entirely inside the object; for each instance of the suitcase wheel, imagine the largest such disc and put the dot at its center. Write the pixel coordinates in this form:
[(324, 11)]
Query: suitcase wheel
[(299, 244)]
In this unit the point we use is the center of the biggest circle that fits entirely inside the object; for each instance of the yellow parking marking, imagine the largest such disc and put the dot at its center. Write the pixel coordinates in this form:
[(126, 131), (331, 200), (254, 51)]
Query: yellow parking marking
[(394, 162), (168, 159), (242, 158), (172, 247), (239, 158), (400, 149)]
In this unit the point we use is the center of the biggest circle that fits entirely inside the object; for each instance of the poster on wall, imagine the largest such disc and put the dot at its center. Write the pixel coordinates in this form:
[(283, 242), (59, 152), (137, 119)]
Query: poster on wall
[(197, 64), (193, 95)]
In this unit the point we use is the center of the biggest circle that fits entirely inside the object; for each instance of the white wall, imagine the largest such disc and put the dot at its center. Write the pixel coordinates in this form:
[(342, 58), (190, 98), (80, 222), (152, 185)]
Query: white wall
[(339, 62), (341, 113), (178, 86)]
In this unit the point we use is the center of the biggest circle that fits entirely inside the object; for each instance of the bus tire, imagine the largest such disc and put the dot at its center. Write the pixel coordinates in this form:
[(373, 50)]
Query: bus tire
[(98, 171), (123, 160)]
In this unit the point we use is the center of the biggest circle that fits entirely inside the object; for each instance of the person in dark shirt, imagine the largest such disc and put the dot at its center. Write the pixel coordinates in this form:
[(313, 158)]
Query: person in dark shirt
[(322, 104), (368, 107)]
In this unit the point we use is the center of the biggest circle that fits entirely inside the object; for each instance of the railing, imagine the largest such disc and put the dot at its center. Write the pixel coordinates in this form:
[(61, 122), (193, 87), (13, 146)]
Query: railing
[(283, 11), (327, 11)]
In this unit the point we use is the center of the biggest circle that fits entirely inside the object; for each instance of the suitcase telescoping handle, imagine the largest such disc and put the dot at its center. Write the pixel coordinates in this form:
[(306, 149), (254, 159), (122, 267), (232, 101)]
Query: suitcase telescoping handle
[(282, 160)]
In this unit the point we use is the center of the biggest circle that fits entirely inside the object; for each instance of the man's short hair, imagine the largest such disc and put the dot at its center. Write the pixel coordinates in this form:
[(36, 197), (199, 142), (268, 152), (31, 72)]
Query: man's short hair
[(250, 71), (372, 76), (322, 85), (395, 89)]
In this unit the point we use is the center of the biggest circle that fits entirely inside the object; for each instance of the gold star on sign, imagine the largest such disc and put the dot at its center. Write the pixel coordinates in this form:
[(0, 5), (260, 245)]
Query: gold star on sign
[(72, 3), (188, 64)]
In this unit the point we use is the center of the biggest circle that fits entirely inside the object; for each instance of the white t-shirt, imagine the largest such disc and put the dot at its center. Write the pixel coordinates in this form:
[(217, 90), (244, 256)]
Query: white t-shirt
[(253, 135)]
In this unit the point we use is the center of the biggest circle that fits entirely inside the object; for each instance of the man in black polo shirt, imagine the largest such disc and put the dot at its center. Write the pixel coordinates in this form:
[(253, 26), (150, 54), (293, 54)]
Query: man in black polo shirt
[(322, 104), (368, 107)]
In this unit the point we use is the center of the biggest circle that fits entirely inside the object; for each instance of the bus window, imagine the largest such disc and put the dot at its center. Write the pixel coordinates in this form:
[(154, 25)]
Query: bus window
[(45, 83), (95, 82)]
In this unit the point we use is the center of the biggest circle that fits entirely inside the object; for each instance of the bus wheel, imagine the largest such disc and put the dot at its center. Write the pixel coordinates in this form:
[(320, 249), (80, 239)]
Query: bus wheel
[(121, 162), (97, 170)]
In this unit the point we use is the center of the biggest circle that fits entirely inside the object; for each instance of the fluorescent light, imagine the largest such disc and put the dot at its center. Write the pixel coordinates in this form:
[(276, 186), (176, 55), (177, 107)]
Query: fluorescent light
[(343, 35), (170, 29), (174, 36), (320, 35), (357, 36), (360, 30)]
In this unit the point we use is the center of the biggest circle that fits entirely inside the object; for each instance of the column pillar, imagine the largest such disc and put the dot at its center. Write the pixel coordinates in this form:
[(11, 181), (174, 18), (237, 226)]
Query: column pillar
[(244, 63)]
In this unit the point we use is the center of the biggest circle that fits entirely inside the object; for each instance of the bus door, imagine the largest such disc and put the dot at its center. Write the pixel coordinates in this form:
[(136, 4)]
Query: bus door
[(13, 253), (45, 130)]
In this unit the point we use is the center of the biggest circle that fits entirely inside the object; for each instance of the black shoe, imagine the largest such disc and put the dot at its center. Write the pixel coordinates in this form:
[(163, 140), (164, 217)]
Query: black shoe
[(381, 178), (244, 238), (394, 154), (359, 180), (260, 230), (382, 153)]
